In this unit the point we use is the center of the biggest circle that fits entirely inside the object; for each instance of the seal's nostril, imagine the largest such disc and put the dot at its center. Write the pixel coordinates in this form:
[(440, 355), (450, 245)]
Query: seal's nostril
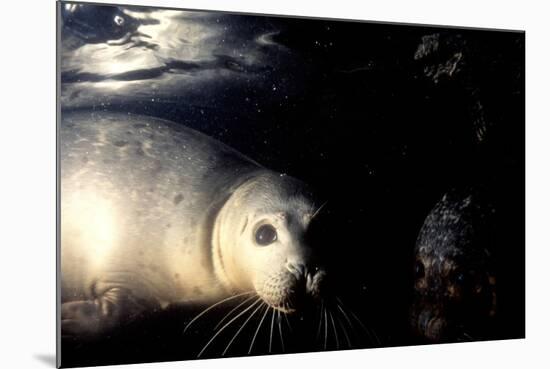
[(309, 282), (298, 270), (290, 268)]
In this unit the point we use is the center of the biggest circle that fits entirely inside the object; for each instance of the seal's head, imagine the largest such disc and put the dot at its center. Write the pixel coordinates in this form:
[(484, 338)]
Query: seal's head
[(259, 241), (455, 295)]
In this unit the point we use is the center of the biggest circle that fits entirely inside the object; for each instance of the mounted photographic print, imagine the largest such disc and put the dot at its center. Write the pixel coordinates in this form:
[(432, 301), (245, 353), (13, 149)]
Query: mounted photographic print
[(242, 184)]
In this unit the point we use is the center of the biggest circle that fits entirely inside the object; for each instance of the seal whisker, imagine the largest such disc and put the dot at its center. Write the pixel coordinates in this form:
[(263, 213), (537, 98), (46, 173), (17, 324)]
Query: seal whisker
[(326, 328), (348, 320), (287, 322), (335, 331), (258, 329), (271, 333), (213, 306), (343, 328), (242, 326), (231, 312), (318, 210), (280, 329), (320, 319), (345, 316), (225, 326), (369, 332)]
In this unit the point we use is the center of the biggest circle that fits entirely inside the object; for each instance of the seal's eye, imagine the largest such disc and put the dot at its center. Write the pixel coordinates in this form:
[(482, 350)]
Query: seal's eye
[(464, 279), (119, 21), (419, 270), (266, 235), (460, 278)]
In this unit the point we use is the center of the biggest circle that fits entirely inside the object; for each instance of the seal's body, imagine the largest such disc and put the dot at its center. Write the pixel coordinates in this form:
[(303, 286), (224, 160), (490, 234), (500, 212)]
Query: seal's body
[(154, 213)]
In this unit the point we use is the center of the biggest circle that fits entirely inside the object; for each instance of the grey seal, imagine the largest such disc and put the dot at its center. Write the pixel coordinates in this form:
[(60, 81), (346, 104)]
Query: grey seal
[(455, 276)]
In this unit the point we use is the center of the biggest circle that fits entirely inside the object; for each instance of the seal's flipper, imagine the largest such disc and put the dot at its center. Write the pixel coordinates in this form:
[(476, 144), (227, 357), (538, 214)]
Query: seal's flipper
[(90, 317)]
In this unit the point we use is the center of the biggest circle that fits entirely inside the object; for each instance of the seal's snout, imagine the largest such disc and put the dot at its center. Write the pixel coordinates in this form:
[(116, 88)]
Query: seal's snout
[(307, 279), (292, 287), (431, 326)]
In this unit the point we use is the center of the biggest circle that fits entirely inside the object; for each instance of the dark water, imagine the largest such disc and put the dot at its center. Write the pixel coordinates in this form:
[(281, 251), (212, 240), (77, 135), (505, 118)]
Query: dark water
[(381, 119)]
